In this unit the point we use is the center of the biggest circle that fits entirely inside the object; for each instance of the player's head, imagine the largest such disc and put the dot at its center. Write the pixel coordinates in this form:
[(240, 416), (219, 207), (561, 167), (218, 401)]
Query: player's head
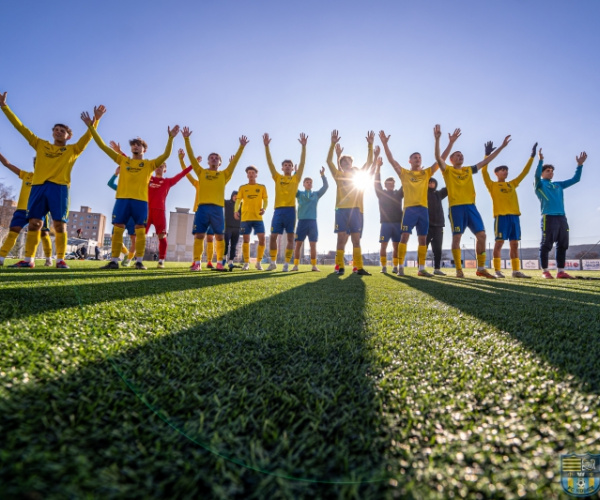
[(307, 183), (138, 146), (61, 132), (214, 161), (251, 172), (415, 161), (160, 171), (390, 183), (346, 162), (457, 159), (287, 166), (501, 172), (548, 171), (234, 195), (433, 184)]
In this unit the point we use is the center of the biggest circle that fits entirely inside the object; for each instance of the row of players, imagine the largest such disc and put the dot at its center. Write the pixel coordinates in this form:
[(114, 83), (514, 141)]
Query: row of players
[(51, 178)]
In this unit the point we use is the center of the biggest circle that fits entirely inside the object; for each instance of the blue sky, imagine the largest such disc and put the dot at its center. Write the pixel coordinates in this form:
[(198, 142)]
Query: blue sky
[(526, 68)]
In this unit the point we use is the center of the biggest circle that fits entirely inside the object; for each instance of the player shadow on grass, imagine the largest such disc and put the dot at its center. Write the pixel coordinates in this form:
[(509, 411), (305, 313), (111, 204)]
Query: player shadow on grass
[(559, 324), (283, 385)]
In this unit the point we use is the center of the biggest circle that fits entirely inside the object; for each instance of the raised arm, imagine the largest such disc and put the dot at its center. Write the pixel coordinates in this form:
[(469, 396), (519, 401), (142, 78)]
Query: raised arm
[(266, 142), (452, 138), (186, 132), (30, 137), (370, 139), (233, 161), (489, 147), (517, 180), (116, 147), (577, 177), (189, 177), (437, 133), (88, 121), (325, 187), (303, 140), (176, 178), (338, 154), (538, 170), (9, 165), (172, 133), (493, 155), (112, 181), (335, 138), (377, 182), (388, 153), (84, 140)]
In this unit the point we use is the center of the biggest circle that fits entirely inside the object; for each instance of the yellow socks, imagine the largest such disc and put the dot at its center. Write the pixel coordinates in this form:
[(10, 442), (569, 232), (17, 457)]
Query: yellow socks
[(130, 255), (457, 255), (401, 253), (515, 264), (297, 262), (312, 261), (288, 255), (383, 260), (124, 250), (273, 255), (339, 258), (210, 250), (246, 252), (220, 250), (481, 260), (117, 242), (140, 242), (497, 263), (260, 252), (421, 254), (60, 239), (395, 260), (47, 245), (357, 257), (198, 248), (9, 242)]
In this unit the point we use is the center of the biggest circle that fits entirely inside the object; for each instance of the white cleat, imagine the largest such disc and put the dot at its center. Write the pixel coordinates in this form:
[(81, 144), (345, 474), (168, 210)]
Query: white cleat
[(316, 269), (437, 272), (48, 262), (285, 268), (499, 274), (259, 267), (400, 271), (295, 268), (272, 266), (246, 266), (383, 269)]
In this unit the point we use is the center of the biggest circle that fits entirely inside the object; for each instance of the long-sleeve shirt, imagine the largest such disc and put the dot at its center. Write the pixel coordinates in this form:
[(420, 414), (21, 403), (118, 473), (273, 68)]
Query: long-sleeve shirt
[(459, 182), (211, 183), (348, 194), (550, 193), (112, 182), (308, 200), (53, 163), (230, 221), (27, 178), (135, 174), (158, 189), (286, 186), (436, 210), (504, 194), (390, 202)]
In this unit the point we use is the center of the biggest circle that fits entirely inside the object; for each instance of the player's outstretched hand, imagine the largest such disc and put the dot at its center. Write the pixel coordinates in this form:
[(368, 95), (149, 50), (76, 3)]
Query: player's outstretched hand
[(244, 140), (99, 111), (384, 138), (379, 163), (581, 158), (453, 137), (533, 150), (370, 136), (85, 116), (376, 151), (335, 137), (266, 139), (540, 155), (303, 139), (506, 141), (186, 132), (489, 148), (181, 153), (3, 99), (437, 131), (173, 131), (322, 171)]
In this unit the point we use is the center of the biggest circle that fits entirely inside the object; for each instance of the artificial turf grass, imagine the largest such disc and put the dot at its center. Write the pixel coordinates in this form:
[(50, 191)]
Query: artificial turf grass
[(433, 389)]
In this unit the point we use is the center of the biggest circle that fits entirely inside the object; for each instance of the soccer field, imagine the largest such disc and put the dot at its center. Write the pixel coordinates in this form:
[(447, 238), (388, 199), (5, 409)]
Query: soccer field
[(172, 384)]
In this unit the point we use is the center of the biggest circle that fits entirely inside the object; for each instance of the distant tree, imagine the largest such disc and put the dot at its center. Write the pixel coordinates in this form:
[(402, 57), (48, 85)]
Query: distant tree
[(584, 254), (6, 192)]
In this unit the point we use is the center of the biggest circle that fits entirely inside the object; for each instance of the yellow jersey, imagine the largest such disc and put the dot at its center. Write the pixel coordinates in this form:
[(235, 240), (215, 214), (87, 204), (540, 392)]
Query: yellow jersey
[(194, 183), (415, 184), (27, 178), (254, 198), (53, 163), (286, 186), (348, 194), (459, 182), (504, 194)]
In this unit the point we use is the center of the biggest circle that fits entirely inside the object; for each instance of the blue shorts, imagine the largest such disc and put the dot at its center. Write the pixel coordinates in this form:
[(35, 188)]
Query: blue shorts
[(416, 217), (390, 231), (209, 215), (209, 231), (126, 208), (246, 227), (307, 227), (463, 217), (49, 197), (348, 220), (284, 218), (130, 226), (507, 227), (19, 219)]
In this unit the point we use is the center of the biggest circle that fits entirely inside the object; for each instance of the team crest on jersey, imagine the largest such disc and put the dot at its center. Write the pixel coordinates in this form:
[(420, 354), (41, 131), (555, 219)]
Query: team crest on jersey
[(63, 149), (258, 190), (580, 474)]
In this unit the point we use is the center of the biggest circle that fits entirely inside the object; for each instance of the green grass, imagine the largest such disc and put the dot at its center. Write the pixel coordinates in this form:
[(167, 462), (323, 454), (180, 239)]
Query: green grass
[(171, 384)]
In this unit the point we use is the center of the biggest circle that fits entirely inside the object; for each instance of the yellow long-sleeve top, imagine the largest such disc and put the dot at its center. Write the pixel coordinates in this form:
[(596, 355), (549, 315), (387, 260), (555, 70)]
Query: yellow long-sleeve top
[(254, 197), (286, 186), (53, 163), (211, 183), (348, 194), (193, 181), (459, 182), (135, 174), (415, 184), (27, 178), (504, 194)]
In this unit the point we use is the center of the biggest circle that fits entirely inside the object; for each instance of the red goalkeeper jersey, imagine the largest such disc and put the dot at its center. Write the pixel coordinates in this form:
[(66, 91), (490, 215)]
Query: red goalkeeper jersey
[(158, 189)]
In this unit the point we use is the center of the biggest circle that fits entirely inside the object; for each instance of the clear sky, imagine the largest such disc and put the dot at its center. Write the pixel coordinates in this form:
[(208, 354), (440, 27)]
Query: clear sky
[(523, 67)]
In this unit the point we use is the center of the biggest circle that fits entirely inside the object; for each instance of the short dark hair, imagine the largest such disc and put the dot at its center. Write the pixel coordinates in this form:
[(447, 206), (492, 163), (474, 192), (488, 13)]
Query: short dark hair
[(139, 141), (66, 127), (252, 167), (500, 167), (287, 161), (389, 179), (307, 179), (220, 159), (547, 166), (434, 180), (415, 153)]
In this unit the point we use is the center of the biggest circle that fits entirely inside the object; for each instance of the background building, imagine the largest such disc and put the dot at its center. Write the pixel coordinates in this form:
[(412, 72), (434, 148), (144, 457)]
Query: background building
[(91, 224)]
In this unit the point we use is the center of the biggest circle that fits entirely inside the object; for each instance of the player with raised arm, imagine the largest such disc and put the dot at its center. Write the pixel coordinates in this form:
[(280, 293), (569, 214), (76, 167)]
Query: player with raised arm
[(390, 217), (307, 219), (51, 181), (349, 202), (19, 219), (435, 235), (284, 215), (253, 200), (130, 224), (415, 183), (461, 199), (505, 203), (132, 191), (211, 199), (555, 228)]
